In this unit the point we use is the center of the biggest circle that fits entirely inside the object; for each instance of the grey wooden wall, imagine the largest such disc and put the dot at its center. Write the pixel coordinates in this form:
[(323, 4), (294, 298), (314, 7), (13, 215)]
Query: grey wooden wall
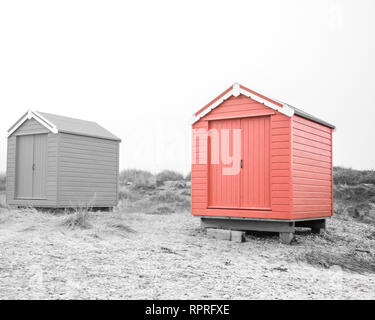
[(87, 171)]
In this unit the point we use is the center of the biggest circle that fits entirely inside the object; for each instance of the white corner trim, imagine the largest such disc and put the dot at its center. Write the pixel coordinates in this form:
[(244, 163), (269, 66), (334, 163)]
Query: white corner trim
[(49, 124), (236, 91), (38, 117)]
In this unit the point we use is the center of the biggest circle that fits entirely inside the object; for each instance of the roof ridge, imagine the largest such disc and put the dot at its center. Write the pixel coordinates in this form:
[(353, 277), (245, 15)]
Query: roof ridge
[(58, 123), (237, 89), (58, 115)]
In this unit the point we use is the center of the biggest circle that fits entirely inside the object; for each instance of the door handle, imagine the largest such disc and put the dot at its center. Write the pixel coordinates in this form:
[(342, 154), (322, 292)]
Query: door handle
[(33, 166), (241, 164)]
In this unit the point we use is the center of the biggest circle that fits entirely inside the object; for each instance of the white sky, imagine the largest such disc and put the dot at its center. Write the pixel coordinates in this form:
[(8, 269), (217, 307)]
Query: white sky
[(142, 68)]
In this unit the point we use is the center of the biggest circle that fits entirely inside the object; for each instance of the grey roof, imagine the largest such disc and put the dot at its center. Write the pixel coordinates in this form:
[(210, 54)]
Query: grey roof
[(77, 126), (306, 115)]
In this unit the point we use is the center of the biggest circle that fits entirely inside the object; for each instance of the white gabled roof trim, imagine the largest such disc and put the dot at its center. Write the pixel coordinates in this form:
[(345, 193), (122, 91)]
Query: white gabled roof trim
[(33, 115), (236, 91)]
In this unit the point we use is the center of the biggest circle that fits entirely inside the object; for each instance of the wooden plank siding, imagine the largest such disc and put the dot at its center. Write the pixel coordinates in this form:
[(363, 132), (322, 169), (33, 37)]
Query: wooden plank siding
[(279, 166), (87, 171), (199, 172), (30, 127), (311, 169)]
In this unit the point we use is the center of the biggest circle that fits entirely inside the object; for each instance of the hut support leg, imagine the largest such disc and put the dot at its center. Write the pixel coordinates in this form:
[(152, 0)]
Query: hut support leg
[(285, 229), (317, 226), (286, 237)]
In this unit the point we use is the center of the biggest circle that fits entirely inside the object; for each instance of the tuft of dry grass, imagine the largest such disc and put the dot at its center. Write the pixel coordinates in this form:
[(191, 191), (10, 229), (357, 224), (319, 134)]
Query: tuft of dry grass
[(121, 227), (80, 218)]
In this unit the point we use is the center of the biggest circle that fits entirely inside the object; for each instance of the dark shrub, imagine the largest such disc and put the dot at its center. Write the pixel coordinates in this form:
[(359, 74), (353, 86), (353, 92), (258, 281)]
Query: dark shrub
[(137, 178), (352, 177), (168, 175)]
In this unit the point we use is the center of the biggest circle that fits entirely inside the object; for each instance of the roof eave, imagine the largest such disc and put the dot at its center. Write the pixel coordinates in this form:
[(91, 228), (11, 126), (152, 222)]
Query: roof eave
[(279, 106), (236, 90), (312, 118), (30, 114), (90, 135)]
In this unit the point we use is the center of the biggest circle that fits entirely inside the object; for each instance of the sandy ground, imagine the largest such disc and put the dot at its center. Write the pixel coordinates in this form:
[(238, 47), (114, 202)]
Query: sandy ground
[(166, 257)]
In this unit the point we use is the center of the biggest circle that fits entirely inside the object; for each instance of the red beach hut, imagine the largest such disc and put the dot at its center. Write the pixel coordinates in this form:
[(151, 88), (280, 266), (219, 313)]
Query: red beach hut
[(260, 164)]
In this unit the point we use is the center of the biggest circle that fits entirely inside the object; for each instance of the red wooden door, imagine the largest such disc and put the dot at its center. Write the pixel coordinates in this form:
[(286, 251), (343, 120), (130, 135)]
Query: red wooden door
[(249, 186), (224, 189), (255, 172)]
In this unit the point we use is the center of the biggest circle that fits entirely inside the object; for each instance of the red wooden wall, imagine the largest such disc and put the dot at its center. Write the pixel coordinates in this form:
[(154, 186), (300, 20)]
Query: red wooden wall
[(311, 169)]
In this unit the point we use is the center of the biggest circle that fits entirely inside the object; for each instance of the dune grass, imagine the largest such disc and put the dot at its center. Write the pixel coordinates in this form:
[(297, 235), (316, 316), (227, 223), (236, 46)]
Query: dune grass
[(163, 193), (352, 177)]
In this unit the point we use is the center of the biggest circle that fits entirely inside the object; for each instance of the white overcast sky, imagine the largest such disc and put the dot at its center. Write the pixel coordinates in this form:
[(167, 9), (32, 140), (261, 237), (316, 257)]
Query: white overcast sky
[(141, 68)]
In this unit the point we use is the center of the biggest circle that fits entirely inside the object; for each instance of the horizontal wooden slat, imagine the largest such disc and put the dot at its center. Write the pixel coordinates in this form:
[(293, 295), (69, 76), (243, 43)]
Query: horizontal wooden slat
[(308, 155), (280, 186), (311, 175), (307, 181), (310, 187), (280, 173), (199, 174), (280, 152), (310, 136), (311, 124), (281, 138), (312, 194), (311, 201), (279, 201), (311, 149), (281, 124), (279, 131), (310, 168), (280, 145), (311, 162), (311, 130), (311, 208), (85, 140), (198, 192), (280, 165)]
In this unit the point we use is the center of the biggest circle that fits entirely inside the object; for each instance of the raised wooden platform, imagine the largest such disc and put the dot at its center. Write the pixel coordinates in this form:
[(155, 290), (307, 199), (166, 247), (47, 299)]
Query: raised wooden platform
[(285, 228)]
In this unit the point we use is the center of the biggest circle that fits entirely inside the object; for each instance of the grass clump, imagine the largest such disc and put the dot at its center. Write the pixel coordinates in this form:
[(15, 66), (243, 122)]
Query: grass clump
[(80, 218), (164, 193), (121, 227)]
